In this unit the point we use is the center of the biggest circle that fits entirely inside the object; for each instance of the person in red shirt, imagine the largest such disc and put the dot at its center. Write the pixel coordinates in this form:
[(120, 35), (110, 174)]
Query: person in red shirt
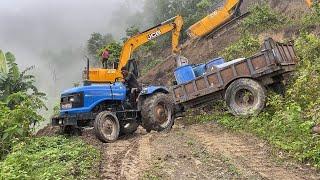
[(105, 57)]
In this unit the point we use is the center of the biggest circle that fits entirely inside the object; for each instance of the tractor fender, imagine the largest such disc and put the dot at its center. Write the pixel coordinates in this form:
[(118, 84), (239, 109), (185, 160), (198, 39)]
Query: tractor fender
[(149, 91), (153, 89)]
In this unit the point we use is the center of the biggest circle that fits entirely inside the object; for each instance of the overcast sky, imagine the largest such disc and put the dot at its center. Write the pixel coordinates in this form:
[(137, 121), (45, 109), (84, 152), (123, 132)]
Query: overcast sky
[(30, 28), (58, 23)]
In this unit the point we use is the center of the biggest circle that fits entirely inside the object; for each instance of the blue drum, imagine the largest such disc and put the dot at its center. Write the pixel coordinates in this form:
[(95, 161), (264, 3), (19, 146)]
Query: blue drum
[(184, 74)]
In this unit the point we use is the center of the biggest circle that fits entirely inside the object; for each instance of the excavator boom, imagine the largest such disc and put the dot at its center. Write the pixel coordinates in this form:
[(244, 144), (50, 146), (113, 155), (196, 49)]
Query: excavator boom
[(216, 19), (97, 75), (312, 2)]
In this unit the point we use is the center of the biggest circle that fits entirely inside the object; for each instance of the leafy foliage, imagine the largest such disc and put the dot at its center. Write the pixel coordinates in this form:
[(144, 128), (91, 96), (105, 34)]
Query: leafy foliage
[(246, 46), (313, 18), (3, 64), (15, 81), (114, 49), (51, 158), (19, 102), (306, 86), (262, 18), (97, 41), (18, 113)]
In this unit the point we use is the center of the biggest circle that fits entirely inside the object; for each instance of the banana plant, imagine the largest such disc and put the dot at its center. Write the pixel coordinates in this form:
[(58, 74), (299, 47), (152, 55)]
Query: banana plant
[(3, 63)]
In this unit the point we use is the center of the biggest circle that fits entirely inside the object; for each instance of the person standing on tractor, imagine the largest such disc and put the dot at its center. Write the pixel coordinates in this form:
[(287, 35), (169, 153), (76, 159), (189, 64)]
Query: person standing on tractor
[(105, 57)]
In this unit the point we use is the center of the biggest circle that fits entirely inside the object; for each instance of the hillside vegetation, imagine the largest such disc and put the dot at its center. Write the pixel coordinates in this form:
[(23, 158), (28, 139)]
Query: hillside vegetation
[(285, 123), (22, 156)]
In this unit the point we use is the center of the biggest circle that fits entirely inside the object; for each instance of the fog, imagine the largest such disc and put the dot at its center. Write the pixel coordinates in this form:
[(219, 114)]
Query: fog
[(52, 35)]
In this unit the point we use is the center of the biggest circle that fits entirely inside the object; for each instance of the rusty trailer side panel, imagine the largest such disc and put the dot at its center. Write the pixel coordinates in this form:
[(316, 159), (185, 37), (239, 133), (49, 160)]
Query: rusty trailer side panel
[(275, 59)]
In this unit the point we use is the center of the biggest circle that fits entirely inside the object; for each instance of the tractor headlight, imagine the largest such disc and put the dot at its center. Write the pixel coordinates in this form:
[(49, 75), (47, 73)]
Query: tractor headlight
[(144, 91), (75, 100), (72, 99)]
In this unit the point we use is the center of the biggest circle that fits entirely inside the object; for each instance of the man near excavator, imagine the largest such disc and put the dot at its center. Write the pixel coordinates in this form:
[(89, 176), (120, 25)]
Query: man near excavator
[(105, 57), (130, 79)]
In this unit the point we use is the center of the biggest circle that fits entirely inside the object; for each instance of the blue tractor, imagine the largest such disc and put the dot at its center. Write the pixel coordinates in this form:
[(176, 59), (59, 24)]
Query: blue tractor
[(113, 109)]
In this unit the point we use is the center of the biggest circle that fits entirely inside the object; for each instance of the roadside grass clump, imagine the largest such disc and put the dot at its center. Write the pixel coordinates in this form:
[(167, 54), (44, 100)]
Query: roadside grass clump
[(262, 19), (246, 46), (51, 158)]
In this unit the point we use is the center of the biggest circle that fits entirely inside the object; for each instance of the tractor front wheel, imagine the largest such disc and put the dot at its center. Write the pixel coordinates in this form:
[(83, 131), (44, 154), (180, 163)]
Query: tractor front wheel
[(107, 127)]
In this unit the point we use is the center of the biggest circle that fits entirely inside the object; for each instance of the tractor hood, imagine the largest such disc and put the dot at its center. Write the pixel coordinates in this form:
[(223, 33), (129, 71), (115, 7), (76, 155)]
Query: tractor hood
[(90, 96)]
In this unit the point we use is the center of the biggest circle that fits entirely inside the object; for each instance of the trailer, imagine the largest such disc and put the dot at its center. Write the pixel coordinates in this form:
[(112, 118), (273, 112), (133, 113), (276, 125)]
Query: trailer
[(241, 83)]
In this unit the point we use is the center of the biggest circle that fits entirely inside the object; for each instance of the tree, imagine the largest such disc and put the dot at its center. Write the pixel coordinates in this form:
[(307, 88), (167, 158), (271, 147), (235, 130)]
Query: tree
[(114, 49), (20, 101), (131, 31), (14, 81), (97, 41)]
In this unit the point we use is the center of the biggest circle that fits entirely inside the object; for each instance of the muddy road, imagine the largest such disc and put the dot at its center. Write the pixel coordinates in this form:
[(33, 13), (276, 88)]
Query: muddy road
[(204, 151)]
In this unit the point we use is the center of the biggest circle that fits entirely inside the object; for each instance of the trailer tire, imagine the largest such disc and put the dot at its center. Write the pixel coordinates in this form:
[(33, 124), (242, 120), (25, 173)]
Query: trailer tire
[(157, 113), (107, 127), (245, 97)]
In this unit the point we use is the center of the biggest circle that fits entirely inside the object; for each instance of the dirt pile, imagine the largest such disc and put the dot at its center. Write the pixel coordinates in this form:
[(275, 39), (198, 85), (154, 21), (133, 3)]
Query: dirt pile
[(204, 151)]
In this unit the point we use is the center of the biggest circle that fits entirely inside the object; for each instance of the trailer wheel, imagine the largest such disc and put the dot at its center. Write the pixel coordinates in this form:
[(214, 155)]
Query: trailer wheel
[(129, 128), (245, 97), (157, 113), (107, 127)]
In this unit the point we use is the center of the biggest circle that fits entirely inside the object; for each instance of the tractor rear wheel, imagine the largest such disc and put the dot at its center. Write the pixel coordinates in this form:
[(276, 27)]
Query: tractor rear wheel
[(107, 127), (157, 113), (245, 97)]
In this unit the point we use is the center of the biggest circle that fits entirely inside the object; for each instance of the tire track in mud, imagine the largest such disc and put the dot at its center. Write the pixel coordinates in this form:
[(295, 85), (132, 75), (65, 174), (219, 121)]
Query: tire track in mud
[(126, 158), (248, 157)]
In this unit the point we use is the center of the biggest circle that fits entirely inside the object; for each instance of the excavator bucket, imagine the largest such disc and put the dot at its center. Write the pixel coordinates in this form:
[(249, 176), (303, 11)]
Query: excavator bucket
[(215, 19)]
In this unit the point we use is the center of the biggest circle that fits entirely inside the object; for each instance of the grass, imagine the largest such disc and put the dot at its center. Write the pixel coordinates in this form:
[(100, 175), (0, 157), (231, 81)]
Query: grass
[(51, 158), (285, 130)]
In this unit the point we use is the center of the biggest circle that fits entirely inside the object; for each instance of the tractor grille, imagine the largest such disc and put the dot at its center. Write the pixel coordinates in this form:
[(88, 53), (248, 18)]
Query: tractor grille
[(76, 99)]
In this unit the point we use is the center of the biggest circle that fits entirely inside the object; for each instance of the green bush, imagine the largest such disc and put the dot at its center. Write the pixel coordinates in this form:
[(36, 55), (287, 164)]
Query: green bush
[(51, 158), (246, 46), (313, 18), (262, 18), (18, 113)]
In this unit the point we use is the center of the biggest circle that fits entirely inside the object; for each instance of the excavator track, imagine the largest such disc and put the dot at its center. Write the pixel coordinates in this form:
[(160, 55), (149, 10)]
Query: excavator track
[(227, 26)]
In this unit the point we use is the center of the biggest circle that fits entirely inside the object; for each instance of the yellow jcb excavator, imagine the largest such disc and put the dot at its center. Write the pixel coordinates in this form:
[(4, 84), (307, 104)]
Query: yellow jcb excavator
[(213, 21), (228, 12), (311, 2), (98, 75)]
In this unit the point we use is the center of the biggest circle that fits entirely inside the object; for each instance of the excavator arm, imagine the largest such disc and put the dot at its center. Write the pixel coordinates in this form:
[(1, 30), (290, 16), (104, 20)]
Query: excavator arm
[(216, 19), (312, 2), (97, 75), (174, 24)]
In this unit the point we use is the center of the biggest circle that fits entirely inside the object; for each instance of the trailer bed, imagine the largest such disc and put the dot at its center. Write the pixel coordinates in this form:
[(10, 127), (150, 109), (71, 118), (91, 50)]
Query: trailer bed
[(267, 67)]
